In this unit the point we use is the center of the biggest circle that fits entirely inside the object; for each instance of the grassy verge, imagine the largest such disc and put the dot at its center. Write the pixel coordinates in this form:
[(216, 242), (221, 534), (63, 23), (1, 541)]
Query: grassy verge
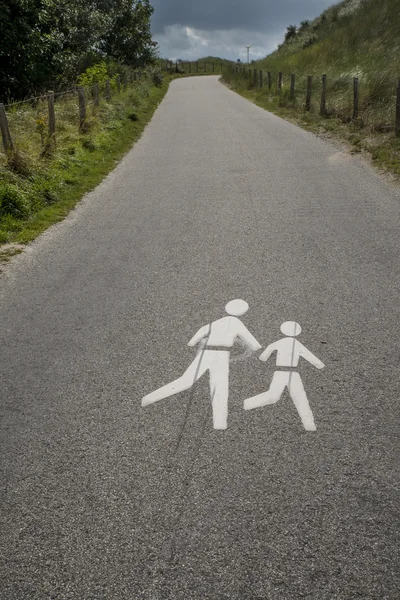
[(40, 183), (378, 144)]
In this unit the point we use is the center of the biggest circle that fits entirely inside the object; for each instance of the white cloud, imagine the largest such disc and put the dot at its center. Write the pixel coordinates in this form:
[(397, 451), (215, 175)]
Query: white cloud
[(189, 43)]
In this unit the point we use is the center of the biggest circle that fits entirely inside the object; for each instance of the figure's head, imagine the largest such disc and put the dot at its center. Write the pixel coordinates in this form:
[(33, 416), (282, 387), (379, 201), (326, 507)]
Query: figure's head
[(290, 328), (237, 308)]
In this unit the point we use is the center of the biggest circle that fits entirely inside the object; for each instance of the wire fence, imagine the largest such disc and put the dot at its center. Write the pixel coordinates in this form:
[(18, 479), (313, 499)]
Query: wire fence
[(46, 122), (343, 98)]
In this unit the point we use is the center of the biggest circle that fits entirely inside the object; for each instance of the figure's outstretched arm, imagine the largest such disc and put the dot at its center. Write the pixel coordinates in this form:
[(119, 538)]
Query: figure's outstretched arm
[(202, 332), (245, 335), (305, 353), (267, 352)]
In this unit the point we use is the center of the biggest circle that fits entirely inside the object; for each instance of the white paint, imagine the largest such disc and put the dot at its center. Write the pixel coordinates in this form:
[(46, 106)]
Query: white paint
[(237, 308), (221, 334), (289, 351)]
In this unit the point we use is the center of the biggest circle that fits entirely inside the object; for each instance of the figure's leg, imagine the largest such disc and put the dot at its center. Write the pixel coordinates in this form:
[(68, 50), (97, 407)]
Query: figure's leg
[(219, 388), (278, 384), (192, 374), (299, 398)]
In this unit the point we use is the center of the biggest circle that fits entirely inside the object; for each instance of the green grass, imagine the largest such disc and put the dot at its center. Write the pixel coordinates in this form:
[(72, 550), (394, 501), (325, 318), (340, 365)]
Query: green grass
[(40, 183), (355, 38)]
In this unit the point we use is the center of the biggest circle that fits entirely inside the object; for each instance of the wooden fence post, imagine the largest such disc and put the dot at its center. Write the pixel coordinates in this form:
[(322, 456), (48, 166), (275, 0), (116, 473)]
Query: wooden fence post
[(261, 78), (108, 92), (269, 79), (280, 76), (309, 90), (292, 86), (355, 97), (5, 131), (96, 94), (322, 108), (82, 106), (52, 114), (397, 126)]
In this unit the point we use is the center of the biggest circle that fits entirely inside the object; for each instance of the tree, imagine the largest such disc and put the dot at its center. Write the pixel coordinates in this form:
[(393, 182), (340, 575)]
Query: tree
[(291, 32), (47, 43), (129, 37)]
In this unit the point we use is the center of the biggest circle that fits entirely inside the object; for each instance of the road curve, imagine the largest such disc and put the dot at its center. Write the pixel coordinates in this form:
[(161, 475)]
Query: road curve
[(105, 500)]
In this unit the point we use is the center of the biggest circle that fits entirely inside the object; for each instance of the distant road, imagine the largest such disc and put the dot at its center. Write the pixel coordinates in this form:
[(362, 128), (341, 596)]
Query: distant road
[(105, 500)]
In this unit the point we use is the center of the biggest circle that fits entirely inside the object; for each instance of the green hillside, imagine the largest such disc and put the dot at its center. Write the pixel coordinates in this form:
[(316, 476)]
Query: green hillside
[(353, 38)]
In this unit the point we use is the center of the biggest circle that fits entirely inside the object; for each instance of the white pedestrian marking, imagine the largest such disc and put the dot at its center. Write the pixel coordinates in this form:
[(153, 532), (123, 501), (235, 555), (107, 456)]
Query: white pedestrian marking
[(215, 340), (289, 351)]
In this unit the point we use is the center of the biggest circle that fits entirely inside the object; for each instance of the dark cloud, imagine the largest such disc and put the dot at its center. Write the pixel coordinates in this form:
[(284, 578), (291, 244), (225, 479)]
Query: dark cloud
[(251, 15)]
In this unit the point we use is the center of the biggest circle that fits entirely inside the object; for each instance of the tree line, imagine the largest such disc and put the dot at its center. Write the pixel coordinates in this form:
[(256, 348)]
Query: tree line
[(48, 43)]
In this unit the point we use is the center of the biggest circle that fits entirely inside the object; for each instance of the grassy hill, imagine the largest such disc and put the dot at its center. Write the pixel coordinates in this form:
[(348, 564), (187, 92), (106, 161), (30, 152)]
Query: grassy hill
[(354, 35), (354, 38)]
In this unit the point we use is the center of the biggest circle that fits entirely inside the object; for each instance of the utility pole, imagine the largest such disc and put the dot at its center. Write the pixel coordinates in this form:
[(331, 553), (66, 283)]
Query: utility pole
[(248, 55)]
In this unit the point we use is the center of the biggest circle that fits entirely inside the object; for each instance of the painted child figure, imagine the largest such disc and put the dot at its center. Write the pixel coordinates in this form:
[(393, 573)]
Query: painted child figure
[(289, 351)]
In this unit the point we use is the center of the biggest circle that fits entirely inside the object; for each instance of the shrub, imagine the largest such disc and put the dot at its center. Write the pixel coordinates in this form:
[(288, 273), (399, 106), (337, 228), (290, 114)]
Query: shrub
[(155, 75), (98, 73), (45, 190), (13, 201), (309, 42), (18, 163), (291, 32)]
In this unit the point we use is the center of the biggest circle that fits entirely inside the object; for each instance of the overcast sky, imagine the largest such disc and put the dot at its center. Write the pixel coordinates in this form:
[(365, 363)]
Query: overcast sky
[(189, 29)]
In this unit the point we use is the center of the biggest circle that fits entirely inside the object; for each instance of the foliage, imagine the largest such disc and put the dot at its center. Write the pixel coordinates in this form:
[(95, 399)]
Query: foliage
[(290, 32), (38, 189), (309, 42), (14, 201), (49, 43), (98, 73), (155, 73)]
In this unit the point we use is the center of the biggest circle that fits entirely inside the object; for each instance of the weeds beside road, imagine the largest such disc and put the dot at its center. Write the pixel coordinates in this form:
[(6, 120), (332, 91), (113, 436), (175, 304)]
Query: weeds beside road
[(40, 184)]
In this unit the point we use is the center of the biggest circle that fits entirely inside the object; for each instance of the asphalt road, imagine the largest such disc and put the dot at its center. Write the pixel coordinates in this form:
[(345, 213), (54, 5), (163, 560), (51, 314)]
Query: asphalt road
[(105, 500)]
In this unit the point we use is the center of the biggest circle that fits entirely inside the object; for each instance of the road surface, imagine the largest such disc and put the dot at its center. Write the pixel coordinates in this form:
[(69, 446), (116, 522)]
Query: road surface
[(105, 500)]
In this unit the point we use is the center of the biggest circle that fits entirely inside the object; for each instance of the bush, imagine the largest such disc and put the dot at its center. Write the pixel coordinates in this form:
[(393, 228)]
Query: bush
[(155, 75), (98, 73), (13, 201), (45, 190), (291, 32), (309, 42)]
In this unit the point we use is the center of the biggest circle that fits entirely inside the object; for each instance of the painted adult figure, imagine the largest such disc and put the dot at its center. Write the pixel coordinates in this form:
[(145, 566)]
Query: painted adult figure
[(289, 351), (216, 341)]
